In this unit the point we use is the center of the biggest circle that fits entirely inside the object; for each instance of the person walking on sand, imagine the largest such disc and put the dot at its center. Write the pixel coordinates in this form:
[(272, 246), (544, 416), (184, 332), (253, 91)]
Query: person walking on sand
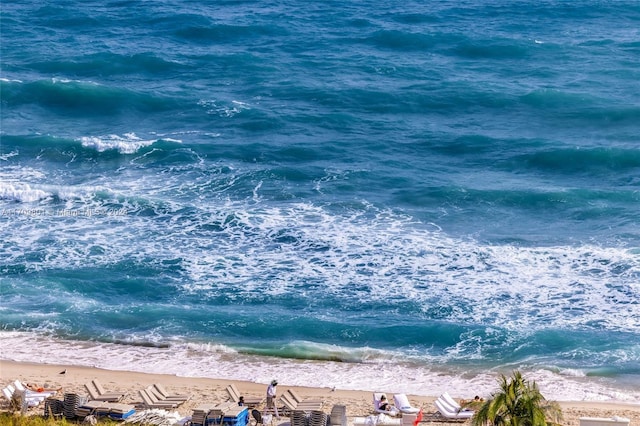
[(271, 398)]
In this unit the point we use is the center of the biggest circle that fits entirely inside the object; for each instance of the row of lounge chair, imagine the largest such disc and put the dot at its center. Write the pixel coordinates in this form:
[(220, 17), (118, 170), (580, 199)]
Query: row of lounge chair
[(401, 401), (98, 393), (446, 406), (156, 396)]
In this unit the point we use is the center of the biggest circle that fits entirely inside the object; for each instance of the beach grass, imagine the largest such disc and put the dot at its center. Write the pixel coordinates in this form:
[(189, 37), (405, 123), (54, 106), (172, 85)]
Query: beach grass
[(15, 419)]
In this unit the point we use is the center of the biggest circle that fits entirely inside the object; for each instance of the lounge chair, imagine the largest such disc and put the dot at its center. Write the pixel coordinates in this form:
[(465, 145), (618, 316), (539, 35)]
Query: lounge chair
[(95, 395), (304, 404), (7, 393), (13, 403), (290, 405), (102, 408), (166, 395), (402, 403), (297, 398), (31, 393), (234, 395), (16, 396), (377, 401), (157, 396), (451, 413), (150, 401), (199, 414), (103, 395), (318, 418), (597, 421), (299, 418), (338, 416), (452, 402)]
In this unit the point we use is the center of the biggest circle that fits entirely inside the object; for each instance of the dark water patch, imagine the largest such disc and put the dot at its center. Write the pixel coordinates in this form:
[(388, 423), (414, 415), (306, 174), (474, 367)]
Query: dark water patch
[(442, 98), (475, 145), (107, 64), (582, 108), (359, 23), (65, 17), (494, 49), (415, 18), (588, 161), (173, 20), (402, 41), (576, 203), (227, 33), (82, 98), (611, 116)]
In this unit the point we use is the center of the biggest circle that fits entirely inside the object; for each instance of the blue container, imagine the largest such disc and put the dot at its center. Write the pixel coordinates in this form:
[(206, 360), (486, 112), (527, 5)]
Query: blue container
[(240, 419)]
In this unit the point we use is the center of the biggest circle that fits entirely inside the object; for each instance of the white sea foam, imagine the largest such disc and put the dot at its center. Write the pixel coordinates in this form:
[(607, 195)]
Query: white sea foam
[(515, 288), (21, 192), (223, 108), (191, 360), (6, 156), (262, 249), (129, 143)]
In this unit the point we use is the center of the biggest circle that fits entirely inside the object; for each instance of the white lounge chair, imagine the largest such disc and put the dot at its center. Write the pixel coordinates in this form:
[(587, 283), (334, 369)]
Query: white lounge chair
[(403, 404), (597, 421), (451, 402), (31, 393), (377, 401), (96, 395), (32, 398), (451, 413)]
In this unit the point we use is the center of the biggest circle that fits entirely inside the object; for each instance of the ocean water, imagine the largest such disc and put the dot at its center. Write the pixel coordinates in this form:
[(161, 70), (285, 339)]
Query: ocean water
[(398, 196)]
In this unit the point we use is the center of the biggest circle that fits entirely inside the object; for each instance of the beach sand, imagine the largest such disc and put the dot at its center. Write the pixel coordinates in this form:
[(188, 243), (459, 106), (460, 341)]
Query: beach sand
[(210, 391)]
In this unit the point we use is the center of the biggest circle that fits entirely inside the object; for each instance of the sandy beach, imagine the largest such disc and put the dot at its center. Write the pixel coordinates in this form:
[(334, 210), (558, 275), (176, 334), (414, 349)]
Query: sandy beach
[(209, 391)]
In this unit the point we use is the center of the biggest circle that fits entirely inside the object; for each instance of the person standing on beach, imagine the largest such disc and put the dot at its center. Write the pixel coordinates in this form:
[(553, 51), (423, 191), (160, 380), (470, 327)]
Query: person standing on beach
[(271, 397)]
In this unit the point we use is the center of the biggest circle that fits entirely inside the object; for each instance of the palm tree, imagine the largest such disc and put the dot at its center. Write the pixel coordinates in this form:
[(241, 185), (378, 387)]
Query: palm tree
[(517, 403)]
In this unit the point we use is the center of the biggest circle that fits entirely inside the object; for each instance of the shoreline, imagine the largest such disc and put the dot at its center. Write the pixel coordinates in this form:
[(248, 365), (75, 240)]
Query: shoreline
[(211, 390), (221, 362)]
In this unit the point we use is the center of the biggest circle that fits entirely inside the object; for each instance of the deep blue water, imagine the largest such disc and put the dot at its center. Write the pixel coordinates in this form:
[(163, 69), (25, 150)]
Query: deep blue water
[(449, 188)]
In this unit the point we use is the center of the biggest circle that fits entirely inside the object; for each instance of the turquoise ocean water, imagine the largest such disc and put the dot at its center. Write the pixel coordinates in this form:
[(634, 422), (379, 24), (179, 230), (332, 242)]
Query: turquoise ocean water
[(399, 196)]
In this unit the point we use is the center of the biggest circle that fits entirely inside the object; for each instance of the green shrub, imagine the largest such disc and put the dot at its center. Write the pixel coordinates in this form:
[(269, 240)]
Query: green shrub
[(517, 403)]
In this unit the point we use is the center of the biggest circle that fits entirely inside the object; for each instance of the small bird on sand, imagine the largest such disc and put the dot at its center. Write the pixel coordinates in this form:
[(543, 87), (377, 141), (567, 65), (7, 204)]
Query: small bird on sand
[(63, 371)]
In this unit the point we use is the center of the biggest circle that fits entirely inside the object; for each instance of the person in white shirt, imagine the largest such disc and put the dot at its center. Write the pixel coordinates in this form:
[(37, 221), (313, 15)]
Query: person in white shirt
[(271, 397)]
